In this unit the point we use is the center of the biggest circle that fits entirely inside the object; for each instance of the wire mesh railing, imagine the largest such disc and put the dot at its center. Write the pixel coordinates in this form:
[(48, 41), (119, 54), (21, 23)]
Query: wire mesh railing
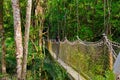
[(87, 58)]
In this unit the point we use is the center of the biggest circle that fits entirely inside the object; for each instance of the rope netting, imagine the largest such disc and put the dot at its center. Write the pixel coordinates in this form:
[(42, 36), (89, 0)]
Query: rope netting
[(116, 49), (90, 59), (87, 58), (116, 46)]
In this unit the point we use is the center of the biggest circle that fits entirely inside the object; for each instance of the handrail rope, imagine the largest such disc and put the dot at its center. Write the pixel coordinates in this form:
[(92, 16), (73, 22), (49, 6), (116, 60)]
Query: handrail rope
[(110, 48), (99, 42), (114, 43), (109, 45), (83, 43), (114, 53)]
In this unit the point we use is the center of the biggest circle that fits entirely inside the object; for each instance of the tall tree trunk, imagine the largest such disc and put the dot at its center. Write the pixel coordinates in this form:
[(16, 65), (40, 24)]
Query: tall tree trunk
[(105, 16), (2, 40), (108, 24), (18, 36), (39, 13), (109, 16), (26, 38)]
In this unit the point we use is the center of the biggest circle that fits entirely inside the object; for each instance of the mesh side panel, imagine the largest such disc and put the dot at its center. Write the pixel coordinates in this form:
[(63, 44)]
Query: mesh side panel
[(88, 59), (116, 49), (55, 47)]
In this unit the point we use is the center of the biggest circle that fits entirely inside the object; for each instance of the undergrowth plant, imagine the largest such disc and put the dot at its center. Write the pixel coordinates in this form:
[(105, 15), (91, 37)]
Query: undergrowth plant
[(109, 75)]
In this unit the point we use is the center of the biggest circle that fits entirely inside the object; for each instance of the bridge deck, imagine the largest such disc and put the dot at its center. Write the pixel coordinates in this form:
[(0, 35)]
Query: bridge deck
[(75, 75)]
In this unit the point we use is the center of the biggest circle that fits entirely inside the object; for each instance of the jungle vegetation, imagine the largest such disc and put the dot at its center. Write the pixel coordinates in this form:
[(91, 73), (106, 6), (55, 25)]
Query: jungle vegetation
[(21, 34)]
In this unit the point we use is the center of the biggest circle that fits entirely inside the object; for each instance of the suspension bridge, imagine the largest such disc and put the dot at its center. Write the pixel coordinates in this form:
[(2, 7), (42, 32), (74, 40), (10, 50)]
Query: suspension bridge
[(83, 60)]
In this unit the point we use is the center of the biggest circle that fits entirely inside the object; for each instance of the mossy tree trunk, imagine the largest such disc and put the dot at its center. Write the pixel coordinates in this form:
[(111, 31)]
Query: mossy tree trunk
[(2, 32), (39, 13)]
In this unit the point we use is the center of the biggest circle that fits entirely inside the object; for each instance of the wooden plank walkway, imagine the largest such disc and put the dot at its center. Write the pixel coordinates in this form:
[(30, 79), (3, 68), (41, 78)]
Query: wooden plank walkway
[(75, 75)]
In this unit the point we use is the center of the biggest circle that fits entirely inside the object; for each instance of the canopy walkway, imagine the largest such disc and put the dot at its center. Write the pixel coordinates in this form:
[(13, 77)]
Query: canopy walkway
[(75, 75), (84, 60)]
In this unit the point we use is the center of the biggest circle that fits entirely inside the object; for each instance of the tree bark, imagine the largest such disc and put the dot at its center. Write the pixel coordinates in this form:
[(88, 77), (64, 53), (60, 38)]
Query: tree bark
[(39, 13), (26, 38), (2, 40), (18, 36)]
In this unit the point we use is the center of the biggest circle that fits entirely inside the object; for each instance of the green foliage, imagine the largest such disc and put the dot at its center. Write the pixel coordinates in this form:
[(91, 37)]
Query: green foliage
[(109, 75), (47, 68), (39, 65), (86, 31), (10, 55), (64, 18), (55, 71), (89, 25)]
